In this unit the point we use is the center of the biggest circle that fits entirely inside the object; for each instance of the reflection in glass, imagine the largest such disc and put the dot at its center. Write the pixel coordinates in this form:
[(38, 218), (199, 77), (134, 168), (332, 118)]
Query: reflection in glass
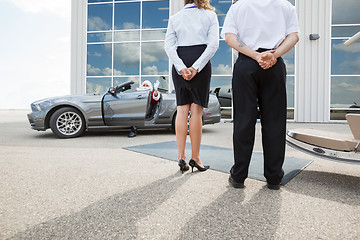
[(99, 60), (120, 80), (164, 82), (340, 114), (289, 60), (153, 34), (290, 91), (98, 85), (345, 59), (121, 36), (346, 31), (154, 60), (222, 7), (345, 91), (127, 15), (292, 2), (100, 17), (221, 61), (345, 12), (221, 87), (126, 59), (99, 37), (155, 14)]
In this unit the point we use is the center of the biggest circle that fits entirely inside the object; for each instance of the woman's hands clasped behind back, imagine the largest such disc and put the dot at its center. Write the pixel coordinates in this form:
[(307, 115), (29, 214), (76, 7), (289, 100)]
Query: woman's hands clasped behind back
[(188, 73)]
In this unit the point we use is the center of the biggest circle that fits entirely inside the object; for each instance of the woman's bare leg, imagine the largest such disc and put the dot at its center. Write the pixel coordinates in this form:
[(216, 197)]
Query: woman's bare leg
[(181, 128), (196, 131)]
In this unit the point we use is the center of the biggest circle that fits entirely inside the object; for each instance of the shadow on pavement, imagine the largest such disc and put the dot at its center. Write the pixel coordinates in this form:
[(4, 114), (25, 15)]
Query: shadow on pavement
[(329, 186), (229, 217), (112, 218)]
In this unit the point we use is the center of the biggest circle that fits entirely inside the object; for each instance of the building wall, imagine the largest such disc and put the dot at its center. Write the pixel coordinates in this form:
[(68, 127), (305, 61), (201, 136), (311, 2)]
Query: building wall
[(312, 99)]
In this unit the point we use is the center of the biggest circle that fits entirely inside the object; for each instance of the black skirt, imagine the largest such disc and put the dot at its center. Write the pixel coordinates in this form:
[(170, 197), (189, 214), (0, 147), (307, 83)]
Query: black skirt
[(197, 89)]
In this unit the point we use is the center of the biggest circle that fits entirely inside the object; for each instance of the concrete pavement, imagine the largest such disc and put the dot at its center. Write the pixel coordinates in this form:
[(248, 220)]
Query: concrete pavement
[(91, 188)]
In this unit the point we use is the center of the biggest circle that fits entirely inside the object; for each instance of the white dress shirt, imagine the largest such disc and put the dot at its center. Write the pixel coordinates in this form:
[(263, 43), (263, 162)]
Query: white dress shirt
[(261, 23), (192, 26)]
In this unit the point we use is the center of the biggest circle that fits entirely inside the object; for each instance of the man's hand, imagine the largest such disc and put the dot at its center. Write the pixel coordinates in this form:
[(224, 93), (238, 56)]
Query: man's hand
[(266, 59)]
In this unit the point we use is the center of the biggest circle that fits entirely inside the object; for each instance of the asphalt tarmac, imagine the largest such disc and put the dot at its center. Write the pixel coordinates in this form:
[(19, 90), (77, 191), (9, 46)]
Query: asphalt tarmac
[(91, 188)]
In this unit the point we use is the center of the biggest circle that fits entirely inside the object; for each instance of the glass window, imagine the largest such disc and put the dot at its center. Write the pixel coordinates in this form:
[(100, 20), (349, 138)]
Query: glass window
[(345, 31), (289, 60), (345, 59), (126, 58), (292, 2), (95, 1), (120, 80), (98, 85), (163, 80), (221, 62), (221, 8), (290, 83), (99, 60), (123, 36), (155, 14), (153, 34), (100, 17), (345, 12), (345, 91), (154, 60), (127, 15), (99, 37)]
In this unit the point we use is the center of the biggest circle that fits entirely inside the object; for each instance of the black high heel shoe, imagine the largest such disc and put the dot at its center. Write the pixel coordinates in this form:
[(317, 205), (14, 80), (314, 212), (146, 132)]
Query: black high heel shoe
[(193, 164), (183, 166)]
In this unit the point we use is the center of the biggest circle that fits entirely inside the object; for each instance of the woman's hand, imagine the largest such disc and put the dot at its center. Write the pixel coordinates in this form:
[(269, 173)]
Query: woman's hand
[(188, 73), (185, 73)]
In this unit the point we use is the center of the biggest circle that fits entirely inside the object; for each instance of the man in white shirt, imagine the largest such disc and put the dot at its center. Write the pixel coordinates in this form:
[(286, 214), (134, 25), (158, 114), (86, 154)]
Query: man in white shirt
[(260, 31)]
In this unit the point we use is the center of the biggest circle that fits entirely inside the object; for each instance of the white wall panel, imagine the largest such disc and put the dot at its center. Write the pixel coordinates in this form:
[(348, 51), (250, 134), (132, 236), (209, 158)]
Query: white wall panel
[(78, 46), (312, 88)]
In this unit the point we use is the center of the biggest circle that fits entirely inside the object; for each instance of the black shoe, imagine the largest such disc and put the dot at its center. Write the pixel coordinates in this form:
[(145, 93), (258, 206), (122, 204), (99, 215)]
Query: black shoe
[(183, 166), (133, 132), (236, 184), (273, 186), (193, 164)]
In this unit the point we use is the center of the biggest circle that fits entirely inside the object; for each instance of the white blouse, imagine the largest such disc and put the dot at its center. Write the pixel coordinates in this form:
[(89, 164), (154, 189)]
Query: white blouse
[(192, 26), (261, 23)]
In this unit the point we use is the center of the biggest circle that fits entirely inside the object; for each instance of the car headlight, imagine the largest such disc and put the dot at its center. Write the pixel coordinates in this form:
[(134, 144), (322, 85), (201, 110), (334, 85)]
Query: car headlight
[(39, 106)]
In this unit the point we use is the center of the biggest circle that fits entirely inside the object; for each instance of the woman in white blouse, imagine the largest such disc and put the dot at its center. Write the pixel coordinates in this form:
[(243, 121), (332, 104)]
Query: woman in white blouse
[(192, 38)]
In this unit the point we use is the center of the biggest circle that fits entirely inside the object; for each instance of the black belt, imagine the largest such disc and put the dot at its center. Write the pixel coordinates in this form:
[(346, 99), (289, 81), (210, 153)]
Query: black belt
[(263, 50)]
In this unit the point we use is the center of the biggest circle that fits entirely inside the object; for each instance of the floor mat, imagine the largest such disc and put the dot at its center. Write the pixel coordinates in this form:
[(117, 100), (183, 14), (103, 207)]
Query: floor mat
[(221, 159)]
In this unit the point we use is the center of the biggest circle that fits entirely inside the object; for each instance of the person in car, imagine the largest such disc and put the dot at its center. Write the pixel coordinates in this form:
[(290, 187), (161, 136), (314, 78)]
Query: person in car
[(155, 97)]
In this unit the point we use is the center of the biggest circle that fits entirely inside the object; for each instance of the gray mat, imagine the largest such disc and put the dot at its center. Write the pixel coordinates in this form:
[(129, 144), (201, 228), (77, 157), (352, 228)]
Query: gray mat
[(222, 159)]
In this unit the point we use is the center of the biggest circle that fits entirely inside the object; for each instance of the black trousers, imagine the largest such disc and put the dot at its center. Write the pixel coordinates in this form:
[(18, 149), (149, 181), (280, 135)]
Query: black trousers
[(253, 86)]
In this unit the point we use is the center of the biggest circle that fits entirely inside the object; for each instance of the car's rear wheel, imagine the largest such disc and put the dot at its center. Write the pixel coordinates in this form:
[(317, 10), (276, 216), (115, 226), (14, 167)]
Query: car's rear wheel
[(67, 122)]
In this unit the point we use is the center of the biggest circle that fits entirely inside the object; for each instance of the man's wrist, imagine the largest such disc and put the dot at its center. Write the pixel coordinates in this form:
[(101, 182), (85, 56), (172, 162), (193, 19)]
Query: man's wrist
[(276, 55)]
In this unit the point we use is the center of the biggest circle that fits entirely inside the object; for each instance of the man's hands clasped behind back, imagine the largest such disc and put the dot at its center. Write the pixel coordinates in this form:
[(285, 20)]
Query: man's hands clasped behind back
[(266, 59)]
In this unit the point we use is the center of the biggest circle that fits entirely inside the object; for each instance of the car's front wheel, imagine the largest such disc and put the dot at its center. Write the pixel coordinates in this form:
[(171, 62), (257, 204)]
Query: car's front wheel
[(67, 122)]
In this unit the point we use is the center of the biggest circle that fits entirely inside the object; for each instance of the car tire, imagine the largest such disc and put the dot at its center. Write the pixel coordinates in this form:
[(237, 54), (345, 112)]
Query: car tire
[(67, 122)]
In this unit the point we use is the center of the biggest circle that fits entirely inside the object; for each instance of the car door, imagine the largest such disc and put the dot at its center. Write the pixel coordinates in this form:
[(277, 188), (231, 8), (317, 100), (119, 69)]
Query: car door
[(125, 108)]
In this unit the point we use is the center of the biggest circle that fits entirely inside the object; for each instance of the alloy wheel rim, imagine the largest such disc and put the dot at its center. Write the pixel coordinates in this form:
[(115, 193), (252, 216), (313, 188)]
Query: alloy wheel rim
[(69, 123)]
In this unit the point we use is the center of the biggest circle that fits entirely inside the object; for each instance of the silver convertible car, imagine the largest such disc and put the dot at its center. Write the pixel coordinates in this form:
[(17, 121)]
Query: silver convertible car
[(122, 106)]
